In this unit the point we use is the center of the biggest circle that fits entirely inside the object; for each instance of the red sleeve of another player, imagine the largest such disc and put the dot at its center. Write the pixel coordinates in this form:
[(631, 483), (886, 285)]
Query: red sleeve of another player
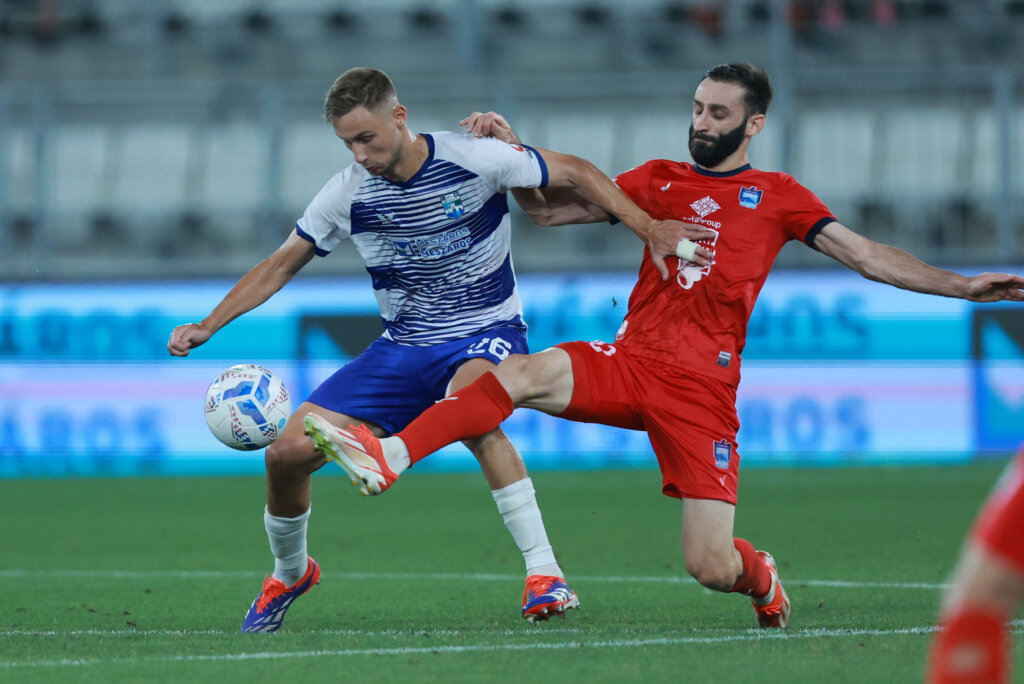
[(805, 214)]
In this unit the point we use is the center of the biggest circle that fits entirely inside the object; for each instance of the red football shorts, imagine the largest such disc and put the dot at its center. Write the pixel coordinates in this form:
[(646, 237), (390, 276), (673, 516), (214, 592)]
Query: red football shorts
[(690, 419), (1000, 525)]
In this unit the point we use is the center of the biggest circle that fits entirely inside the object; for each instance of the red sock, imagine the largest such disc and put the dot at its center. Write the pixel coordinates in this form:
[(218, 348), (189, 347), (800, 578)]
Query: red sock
[(472, 411), (755, 579), (971, 648)]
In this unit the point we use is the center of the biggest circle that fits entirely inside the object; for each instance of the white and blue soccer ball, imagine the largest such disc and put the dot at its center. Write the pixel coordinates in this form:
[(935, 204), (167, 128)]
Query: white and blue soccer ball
[(247, 407)]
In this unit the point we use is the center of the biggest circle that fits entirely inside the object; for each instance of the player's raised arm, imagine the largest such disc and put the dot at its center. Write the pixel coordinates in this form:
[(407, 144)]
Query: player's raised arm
[(578, 192), (887, 264), (548, 206), (254, 288), (575, 176)]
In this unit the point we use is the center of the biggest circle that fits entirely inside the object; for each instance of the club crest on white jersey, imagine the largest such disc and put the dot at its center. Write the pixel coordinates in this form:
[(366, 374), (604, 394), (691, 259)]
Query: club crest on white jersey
[(452, 204)]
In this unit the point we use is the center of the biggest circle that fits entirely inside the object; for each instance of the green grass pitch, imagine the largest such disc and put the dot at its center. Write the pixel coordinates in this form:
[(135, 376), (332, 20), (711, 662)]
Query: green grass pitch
[(148, 579)]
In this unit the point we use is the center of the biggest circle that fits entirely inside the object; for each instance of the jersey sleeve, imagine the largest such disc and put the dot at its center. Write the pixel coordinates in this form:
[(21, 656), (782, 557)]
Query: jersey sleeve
[(327, 220), (805, 214), (636, 183), (504, 165)]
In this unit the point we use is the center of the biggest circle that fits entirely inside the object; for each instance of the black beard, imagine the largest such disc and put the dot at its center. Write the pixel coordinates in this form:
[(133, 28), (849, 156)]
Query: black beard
[(710, 152)]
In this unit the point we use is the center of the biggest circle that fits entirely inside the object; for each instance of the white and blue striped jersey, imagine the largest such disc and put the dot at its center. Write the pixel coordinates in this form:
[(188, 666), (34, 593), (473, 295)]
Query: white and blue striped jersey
[(437, 246)]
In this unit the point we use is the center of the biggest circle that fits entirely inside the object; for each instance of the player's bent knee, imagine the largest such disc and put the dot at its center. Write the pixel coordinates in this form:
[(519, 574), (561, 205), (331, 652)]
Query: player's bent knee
[(527, 376), (288, 453)]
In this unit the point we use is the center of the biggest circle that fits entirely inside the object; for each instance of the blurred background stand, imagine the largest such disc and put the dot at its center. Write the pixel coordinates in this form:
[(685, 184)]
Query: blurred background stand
[(182, 138)]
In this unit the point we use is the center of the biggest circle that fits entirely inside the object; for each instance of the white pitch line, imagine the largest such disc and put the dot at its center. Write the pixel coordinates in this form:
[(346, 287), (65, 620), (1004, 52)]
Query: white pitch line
[(750, 635), (432, 577), (322, 632), (547, 630)]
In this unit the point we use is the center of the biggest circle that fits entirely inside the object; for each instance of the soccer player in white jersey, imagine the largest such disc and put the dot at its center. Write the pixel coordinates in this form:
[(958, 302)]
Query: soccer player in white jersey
[(429, 215)]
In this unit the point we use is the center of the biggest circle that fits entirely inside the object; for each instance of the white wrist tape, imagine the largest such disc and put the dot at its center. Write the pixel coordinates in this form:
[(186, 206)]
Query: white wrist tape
[(686, 249)]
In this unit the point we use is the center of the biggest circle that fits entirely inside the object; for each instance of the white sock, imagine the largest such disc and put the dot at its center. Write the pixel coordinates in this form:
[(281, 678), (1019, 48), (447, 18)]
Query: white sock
[(396, 454), (288, 544), (517, 504)]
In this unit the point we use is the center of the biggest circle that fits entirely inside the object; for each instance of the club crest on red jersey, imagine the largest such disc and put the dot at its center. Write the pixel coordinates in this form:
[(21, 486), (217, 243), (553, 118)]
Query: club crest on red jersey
[(750, 197), (723, 454)]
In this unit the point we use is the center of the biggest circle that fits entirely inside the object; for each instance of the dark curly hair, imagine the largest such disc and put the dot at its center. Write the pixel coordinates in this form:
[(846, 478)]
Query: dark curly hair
[(753, 79)]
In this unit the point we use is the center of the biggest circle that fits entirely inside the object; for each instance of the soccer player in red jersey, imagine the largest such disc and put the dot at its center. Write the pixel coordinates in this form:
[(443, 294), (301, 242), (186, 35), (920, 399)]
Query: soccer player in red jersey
[(674, 366), (986, 591), (428, 214)]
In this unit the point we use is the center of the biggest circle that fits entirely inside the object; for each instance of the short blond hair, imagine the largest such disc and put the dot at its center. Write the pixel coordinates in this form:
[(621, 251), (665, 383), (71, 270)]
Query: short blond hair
[(359, 87)]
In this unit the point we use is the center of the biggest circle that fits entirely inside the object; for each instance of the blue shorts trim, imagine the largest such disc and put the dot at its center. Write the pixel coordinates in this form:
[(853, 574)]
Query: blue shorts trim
[(390, 384)]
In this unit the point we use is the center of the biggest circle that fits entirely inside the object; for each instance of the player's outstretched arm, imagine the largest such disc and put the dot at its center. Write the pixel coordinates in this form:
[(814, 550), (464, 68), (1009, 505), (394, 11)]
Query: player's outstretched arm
[(548, 206), (887, 264), (578, 192), (254, 288), (570, 174)]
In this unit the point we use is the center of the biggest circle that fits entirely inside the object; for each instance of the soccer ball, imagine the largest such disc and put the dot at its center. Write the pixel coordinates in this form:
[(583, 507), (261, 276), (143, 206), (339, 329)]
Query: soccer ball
[(247, 407)]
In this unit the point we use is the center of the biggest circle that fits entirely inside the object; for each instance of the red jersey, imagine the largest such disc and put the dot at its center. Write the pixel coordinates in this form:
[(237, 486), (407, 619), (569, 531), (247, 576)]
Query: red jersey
[(697, 320)]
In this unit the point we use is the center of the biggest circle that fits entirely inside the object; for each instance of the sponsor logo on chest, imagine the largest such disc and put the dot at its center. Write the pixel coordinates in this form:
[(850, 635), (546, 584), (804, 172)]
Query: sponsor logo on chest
[(705, 206), (434, 246)]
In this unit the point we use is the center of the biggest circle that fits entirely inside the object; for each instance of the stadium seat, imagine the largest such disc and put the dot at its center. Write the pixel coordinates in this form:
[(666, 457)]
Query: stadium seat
[(234, 169), (151, 161), (311, 155), (81, 178), (851, 139)]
